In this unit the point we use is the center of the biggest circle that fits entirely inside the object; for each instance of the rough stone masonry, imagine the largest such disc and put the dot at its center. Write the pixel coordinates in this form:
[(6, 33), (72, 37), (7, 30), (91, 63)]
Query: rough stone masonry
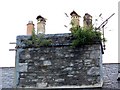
[(58, 65)]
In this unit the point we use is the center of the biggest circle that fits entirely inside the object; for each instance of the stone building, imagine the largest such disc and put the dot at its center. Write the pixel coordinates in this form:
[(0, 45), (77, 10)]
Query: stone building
[(41, 22), (59, 66), (110, 72)]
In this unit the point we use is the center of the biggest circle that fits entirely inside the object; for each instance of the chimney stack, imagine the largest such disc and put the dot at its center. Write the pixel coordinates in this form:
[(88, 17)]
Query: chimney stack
[(87, 20), (41, 22), (30, 27), (75, 19)]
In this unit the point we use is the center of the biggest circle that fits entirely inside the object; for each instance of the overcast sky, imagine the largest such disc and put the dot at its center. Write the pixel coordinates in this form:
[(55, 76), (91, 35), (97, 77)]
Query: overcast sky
[(15, 14)]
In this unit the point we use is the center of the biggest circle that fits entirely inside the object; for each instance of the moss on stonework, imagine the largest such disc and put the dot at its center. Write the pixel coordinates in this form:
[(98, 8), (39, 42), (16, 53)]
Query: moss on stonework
[(37, 41), (83, 36)]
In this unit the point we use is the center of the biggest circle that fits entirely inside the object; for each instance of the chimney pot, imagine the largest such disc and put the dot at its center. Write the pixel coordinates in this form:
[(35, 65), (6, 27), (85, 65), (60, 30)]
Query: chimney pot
[(41, 22), (30, 27), (30, 22)]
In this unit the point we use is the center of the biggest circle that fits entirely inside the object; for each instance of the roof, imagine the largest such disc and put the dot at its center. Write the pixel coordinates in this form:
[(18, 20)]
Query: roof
[(88, 15), (42, 18), (73, 12), (110, 75)]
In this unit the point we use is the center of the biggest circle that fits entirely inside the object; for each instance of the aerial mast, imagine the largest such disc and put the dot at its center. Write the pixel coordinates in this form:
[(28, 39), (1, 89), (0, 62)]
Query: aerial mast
[(102, 25)]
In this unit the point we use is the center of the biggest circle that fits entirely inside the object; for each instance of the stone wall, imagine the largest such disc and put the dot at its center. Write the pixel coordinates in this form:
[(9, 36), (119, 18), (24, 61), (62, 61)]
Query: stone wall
[(58, 65)]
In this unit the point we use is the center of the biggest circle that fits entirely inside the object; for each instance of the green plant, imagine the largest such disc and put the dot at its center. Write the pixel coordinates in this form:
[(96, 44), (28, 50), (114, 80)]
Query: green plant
[(84, 36), (37, 41)]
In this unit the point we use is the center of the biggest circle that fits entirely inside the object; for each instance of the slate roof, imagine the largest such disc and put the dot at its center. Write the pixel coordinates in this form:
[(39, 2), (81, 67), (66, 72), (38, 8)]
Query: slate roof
[(110, 73)]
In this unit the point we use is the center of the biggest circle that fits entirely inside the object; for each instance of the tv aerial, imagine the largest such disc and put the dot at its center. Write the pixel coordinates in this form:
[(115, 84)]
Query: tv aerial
[(102, 28)]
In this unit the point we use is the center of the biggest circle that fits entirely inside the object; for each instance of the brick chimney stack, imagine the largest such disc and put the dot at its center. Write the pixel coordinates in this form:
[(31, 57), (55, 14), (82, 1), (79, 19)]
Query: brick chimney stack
[(30, 27)]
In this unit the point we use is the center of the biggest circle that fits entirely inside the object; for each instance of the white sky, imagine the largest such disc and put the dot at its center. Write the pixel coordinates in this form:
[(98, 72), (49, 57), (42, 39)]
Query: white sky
[(15, 14)]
